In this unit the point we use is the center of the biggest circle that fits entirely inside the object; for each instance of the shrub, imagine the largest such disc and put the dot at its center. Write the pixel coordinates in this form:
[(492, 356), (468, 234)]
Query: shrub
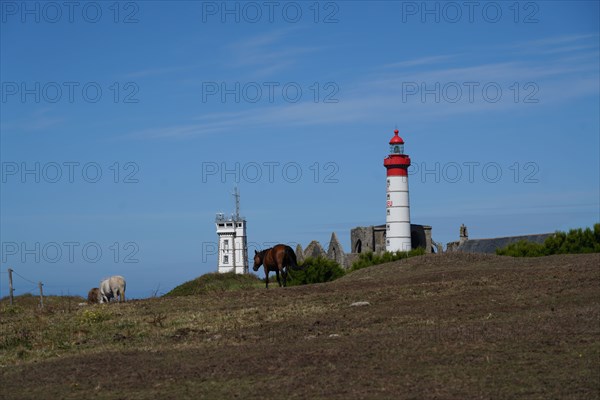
[(522, 248), (315, 270), (573, 242), (368, 259)]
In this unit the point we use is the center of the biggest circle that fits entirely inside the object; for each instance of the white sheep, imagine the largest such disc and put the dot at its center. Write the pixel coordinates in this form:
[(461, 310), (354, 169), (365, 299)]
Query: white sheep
[(112, 288)]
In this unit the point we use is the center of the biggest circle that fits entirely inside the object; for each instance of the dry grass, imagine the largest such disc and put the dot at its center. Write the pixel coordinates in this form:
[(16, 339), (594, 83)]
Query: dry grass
[(449, 326)]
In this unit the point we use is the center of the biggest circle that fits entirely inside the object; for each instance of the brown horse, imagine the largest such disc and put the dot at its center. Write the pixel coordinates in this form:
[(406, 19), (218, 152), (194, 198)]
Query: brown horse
[(279, 259)]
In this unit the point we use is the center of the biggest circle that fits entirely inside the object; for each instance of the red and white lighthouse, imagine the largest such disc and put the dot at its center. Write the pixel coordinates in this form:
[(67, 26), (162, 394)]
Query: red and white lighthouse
[(398, 211)]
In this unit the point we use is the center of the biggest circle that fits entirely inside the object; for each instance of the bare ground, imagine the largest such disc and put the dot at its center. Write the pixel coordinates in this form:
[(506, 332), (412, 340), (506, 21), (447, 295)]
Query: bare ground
[(451, 326)]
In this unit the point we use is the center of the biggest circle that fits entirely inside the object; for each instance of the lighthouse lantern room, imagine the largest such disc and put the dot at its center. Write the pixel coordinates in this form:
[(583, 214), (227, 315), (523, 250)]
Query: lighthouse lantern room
[(398, 211)]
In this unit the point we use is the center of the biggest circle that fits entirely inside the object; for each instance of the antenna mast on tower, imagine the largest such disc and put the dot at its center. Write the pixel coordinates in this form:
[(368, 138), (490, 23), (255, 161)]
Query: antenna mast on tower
[(236, 194)]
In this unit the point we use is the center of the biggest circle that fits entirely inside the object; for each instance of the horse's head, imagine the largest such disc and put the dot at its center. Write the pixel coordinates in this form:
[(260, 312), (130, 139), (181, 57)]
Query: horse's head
[(258, 260)]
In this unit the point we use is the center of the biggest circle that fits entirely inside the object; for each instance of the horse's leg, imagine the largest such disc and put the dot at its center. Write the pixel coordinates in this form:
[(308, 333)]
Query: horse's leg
[(266, 276), (278, 280), (281, 267), (284, 274)]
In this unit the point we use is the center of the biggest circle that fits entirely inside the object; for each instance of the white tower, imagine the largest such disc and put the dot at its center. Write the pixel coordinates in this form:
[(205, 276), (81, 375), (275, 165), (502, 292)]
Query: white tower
[(398, 210), (233, 248)]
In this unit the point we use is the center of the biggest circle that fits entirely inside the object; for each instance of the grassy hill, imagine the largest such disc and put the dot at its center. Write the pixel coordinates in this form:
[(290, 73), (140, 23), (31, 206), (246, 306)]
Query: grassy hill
[(216, 282), (434, 326)]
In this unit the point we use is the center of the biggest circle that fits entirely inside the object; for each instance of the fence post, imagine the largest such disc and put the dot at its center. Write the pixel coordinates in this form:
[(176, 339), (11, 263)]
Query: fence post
[(10, 286), (40, 284)]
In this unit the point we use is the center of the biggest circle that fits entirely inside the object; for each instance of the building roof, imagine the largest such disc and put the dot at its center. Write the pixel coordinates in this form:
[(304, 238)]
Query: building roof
[(489, 246)]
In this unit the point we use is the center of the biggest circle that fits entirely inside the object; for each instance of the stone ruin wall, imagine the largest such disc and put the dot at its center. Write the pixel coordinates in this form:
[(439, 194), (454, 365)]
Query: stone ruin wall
[(363, 239)]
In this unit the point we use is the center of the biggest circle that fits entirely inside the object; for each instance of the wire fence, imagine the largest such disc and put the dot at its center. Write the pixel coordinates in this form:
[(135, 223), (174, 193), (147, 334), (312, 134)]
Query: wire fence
[(37, 286), (22, 277)]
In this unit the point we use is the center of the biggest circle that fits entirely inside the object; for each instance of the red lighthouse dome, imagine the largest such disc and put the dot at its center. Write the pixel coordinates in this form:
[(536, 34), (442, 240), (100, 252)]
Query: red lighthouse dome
[(396, 139)]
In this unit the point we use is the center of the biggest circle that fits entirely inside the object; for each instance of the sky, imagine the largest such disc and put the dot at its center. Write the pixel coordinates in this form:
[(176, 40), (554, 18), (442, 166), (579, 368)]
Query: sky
[(126, 126)]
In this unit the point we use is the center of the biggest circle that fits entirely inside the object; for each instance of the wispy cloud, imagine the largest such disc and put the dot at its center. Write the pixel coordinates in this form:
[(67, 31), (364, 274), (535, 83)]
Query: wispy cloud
[(420, 61), (147, 72), (267, 53), (383, 92), (557, 40), (39, 120), (558, 44), (301, 114)]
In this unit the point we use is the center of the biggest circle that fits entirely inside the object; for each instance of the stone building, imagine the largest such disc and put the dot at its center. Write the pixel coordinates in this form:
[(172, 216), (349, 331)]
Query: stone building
[(489, 246), (372, 238), (364, 239)]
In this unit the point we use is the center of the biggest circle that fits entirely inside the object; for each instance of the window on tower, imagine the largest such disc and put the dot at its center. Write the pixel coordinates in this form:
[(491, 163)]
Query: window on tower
[(225, 259)]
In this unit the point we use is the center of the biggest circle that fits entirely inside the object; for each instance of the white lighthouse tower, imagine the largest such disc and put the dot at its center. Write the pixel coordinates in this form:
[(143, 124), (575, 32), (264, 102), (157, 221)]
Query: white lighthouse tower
[(233, 248), (398, 210)]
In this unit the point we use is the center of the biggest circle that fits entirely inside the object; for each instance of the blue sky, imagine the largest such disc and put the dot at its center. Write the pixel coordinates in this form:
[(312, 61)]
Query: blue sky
[(126, 126)]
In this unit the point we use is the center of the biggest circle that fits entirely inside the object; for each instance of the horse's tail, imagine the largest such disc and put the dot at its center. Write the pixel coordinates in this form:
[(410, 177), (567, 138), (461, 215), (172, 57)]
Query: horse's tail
[(292, 258)]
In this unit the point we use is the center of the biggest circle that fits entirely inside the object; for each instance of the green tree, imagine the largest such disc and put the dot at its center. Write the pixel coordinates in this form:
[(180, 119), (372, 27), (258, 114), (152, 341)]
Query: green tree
[(522, 248), (573, 242)]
